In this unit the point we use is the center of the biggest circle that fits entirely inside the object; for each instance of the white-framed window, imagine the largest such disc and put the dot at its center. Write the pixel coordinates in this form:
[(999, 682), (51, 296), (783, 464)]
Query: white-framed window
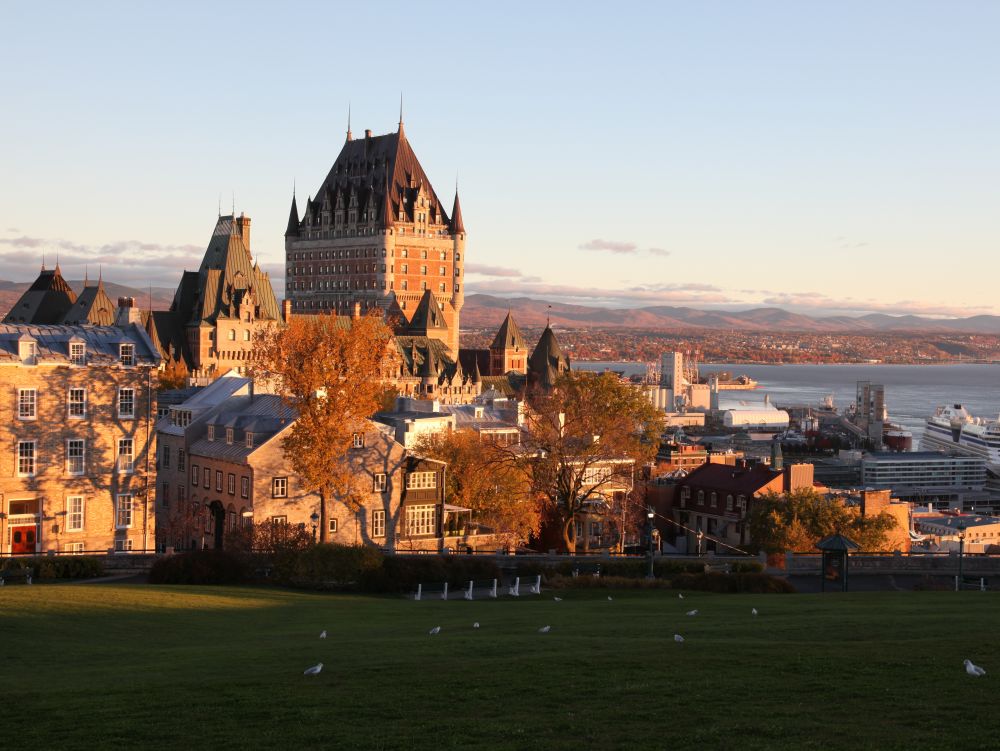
[(246, 336), (74, 513), (211, 433), (194, 474), (249, 440), (729, 502), (126, 353), (123, 512), (379, 483), (75, 456), (421, 520), (78, 353), (229, 436), (27, 404), (244, 487), (358, 441), (126, 403), (421, 480), (74, 548), (28, 352), (206, 474), (123, 546), (378, 523), (701, 497), (77, 403), (218, 480), (25, 458), (332, 525), (231, 480), (441, 287), (232, 335), (126, 455), (279, 487)]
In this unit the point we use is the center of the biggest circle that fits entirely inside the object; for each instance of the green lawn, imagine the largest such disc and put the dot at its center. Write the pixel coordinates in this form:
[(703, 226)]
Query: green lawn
[(98, 666)]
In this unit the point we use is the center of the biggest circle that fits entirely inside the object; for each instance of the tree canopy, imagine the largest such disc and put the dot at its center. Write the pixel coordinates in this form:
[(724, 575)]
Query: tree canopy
[(329, 370), (797, 520)]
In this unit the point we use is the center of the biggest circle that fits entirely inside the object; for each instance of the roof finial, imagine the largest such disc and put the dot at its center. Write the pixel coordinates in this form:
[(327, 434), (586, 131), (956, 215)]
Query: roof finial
[(57, 261), (234, 204), (86, 274), (548, 317), (349, 136), (100, 274), (220, 204), (43, 260), (400, 111)]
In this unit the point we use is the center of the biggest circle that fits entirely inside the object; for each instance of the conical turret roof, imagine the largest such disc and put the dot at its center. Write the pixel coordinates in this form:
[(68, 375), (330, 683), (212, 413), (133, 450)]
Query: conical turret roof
[(508, 335), (293, 220)]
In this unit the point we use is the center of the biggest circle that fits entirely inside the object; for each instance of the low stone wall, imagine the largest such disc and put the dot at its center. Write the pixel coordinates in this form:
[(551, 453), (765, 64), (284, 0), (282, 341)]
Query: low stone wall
[(972, 565)]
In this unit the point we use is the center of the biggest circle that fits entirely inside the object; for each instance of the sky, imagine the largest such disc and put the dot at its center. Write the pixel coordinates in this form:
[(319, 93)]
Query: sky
[(827, 158)]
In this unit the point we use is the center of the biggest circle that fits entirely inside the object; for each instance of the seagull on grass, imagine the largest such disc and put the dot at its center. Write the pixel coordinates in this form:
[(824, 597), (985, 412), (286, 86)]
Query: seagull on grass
[(692, 612), (322, 634), (609, 598), (678, 638), (544, 629), (435, 630), (680, 595), (476, 624), (314, 670), (557, 599), (753, 611), (973, 670)]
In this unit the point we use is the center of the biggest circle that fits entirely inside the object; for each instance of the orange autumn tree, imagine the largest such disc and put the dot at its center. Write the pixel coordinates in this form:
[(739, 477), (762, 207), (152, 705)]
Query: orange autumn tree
[(329, 370)]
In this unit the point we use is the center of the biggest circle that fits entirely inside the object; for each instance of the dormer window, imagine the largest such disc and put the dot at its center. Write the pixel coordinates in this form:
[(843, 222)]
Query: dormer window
[(28, 352), (211, 432), (78, 353), (126, 353), (249, 440), (229, 436)]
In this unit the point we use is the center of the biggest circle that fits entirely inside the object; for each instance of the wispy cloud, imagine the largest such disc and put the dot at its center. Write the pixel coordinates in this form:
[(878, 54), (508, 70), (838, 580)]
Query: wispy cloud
[(621, 247), (630, 297), (815, 303), (484, 270)]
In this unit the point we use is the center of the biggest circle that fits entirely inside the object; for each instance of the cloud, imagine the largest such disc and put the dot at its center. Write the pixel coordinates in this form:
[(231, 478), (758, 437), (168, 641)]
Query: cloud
[(484, 270), (657, 252), (621, 247), (815, 303), (630, 297)]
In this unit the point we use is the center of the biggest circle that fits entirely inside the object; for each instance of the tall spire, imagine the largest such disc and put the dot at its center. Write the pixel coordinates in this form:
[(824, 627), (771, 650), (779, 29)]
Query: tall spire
[(457, 226), (401, 113), (349, 136), (293, 218)]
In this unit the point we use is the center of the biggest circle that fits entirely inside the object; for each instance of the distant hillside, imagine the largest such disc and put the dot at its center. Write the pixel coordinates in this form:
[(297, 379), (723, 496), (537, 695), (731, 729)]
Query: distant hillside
[(161, 296), (482, 311)]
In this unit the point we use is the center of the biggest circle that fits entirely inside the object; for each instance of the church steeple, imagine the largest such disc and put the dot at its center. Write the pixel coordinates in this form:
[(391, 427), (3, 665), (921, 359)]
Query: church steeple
[(293, 215), (457, 226)]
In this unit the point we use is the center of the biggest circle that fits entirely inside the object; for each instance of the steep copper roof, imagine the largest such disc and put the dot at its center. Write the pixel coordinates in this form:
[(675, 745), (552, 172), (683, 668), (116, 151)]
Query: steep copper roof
[(508, 336), (45, 302), (369, 169), (427, 317), (727, 479), (457, 226), (547, 361), (293, 220), (92, 306)]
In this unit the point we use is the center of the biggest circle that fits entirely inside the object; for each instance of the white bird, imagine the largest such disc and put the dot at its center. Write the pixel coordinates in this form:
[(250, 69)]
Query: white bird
[(544, 629), (322, 634), (557, 599), (680, 595), (476, 624), (974, 670), (753, 611), (314, 670), (678, 638), (435, 630), (609, 598), (692, 612)]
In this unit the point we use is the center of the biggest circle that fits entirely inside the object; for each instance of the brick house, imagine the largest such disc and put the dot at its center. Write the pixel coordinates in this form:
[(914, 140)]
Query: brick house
[(221, 462), (76, 437)]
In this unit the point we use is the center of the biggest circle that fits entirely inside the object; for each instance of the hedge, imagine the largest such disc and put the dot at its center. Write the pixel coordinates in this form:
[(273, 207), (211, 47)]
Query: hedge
[(200, 567), (57, 567), (733, 583)]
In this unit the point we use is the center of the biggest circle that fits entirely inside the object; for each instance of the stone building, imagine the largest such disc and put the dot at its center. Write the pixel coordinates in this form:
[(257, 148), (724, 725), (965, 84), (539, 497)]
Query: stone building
[(376, 235), (221, 462), (76, 436)]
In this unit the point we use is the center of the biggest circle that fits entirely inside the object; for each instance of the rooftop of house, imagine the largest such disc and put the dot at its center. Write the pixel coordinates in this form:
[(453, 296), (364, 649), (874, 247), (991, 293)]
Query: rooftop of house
[(102, 344)]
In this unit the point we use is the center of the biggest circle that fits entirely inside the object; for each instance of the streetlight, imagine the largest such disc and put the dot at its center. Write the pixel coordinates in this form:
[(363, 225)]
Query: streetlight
[(961, 552), (700, 536), (314, 518), (649, 515)]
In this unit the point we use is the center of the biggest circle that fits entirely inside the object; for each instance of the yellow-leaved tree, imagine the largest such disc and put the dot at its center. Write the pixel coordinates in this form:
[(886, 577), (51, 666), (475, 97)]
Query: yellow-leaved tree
[(329, 369)]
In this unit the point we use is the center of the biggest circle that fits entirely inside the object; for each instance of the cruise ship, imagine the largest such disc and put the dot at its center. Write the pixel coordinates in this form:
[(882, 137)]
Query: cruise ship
[(951, 428)]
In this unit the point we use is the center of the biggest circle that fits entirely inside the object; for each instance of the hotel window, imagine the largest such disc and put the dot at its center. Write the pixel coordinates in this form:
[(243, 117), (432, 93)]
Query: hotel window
[(441, 287), (404, 268), (249, 440), (231, 483), (126, 403), (125, 455), (25, 458), (123, 515), (126, 354), (421, 520), (75, 456), (358, 441), (27, 404), (423, 254), (246, 336), (218, 481), (244, 487), (74, 513), (194, 474), (405, 253), (232, 335), (442, 271), (180, 460), (333, 525), (77, 353), (77, 403), (421, 480), (378, 523), (380, 483), (423, 270), (206, 476), (279, 487), (211, 432)]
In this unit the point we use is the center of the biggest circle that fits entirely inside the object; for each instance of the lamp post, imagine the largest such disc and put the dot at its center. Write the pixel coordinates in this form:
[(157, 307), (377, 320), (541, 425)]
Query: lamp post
[(700, 536), (961, 553), (314, 518), (649, 515)]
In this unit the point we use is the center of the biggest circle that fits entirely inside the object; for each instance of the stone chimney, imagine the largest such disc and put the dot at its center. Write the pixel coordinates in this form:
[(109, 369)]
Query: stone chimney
[(243, 224), (127, 312), (286, 310)]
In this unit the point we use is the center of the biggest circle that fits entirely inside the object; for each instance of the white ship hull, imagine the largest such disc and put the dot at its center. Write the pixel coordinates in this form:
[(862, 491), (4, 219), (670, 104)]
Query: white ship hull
[(956, 433)]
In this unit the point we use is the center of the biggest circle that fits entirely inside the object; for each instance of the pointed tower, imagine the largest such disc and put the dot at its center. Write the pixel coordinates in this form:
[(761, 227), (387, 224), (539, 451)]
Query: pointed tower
[(293, 219), (547, 361), (47, 301), (508, 352)]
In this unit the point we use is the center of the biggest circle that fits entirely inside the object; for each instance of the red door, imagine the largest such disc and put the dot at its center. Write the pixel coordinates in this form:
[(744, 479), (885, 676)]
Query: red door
[(22, 540)]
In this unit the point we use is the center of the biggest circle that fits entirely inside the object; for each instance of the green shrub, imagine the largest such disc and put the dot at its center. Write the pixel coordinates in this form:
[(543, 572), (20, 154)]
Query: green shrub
[(754, 583), (58, 567), (328, 565), (199, 567)]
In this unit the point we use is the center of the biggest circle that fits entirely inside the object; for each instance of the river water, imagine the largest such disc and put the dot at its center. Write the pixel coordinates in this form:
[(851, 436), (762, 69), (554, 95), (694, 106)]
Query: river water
[(911, 391)]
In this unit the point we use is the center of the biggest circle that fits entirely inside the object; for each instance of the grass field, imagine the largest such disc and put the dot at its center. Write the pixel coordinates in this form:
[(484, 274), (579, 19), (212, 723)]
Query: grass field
[(98, 666)]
